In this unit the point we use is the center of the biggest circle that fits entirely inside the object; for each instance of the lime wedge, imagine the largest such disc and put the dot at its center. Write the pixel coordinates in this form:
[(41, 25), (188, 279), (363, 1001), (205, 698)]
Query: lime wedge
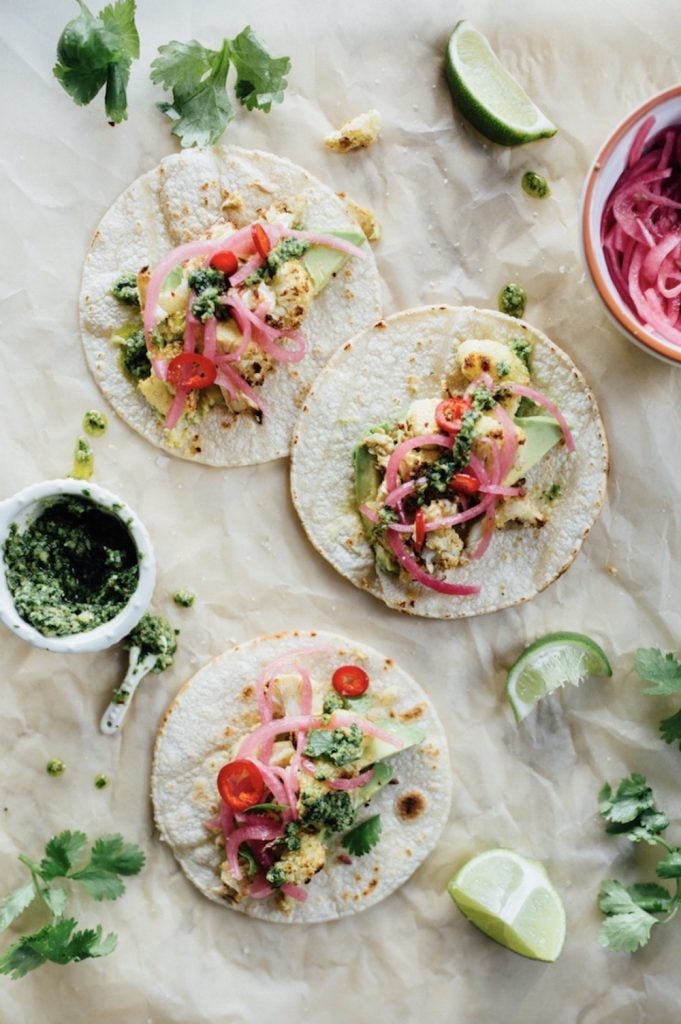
[(510, 898), (487, 94), (552, 661)]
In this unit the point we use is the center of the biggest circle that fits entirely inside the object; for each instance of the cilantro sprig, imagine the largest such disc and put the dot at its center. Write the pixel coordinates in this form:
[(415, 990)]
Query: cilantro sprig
[(363, 837), (197, 77), (664, 672), (630, 810), (66, 857), (94, 52)]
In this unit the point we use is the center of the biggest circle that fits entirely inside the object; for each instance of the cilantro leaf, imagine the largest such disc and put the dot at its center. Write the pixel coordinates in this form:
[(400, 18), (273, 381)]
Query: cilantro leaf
[(100, 883), (56, 900), (97, 51), (119, 19), (113, 854), (14, 903), (110, 857), (670, 866), (651, 897), (61, 853), (55, 942), (261, 79), (363, 837), (631, 810), (627, 932), (670, 728), (20, 958), (663, 670), (197, 77)]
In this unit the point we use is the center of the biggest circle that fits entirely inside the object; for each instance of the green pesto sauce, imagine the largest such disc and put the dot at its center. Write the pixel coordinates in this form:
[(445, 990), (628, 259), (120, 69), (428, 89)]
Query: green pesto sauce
[(535, 185), (55, 767), (94, 423), (512, 300), (101, 781), (83, 460), (72, 569), (184, 598)]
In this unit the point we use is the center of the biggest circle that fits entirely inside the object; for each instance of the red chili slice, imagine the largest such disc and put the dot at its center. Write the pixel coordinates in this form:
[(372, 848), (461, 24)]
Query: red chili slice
[(419, 530), (350, 681), (191, 370), (465, 483), (260, 240), (450, 412), (241, 785), (225, 261)]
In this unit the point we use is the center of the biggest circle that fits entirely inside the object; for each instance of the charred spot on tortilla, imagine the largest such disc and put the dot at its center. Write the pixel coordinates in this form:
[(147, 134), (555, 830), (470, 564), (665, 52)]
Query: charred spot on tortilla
[(411, 806)]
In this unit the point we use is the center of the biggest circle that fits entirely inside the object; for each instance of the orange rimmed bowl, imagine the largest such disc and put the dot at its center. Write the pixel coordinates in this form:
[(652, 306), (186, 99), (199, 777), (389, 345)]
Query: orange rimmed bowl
[(600, 181)]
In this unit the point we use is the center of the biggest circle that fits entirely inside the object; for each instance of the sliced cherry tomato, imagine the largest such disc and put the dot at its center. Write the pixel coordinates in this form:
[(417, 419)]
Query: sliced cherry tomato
[(225, 261), (450, 412), (260, 240), (465, 483), (419, 530), (350, 681), (241, 785), (191, 370)]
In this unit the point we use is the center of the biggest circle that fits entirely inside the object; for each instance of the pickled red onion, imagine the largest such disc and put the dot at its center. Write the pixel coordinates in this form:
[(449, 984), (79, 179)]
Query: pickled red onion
[(295, 892), (410, 564), (201, 247), (176, 407), (420, 441), (641, 230), (355, 783), (277, 727), (328, 241), (242, 835)]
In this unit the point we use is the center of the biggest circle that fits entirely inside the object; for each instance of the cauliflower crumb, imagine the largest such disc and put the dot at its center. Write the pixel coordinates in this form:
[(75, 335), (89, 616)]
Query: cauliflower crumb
[(358, 133), (519, 510)]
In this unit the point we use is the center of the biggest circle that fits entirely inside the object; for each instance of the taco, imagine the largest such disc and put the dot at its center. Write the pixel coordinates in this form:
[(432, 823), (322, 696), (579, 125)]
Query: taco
[(215, 288), (450, 461), (300, 777)]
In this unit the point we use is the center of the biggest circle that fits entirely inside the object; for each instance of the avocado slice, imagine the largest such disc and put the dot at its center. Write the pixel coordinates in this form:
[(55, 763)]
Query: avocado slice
[(376, 749), (322, 263), (367, 482), (542, 432), (383, 773)]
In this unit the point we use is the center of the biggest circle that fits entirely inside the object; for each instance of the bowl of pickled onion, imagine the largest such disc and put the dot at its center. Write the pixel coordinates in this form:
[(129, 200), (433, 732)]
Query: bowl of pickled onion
[(631, 225)]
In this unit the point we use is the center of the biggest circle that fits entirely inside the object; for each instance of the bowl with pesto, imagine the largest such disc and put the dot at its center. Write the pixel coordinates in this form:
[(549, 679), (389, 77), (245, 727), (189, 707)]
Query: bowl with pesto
[(301, 777), (77, 569), (215, 289), (450, 460)]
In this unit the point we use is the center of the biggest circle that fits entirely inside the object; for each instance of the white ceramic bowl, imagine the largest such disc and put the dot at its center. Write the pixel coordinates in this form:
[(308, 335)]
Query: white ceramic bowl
[(600, 181), (24, 507)]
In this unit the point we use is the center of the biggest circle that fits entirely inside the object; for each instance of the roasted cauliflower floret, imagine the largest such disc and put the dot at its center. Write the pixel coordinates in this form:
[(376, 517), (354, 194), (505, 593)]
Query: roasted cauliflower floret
[(420, 418), (381, 445), (296, 867), (357, 133), (292, 288), (519, 510), (254, 364), (445, 543), (478, 356)]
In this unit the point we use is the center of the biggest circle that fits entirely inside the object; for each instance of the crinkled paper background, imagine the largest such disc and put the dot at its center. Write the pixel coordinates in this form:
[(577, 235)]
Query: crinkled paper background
[(456, 228)]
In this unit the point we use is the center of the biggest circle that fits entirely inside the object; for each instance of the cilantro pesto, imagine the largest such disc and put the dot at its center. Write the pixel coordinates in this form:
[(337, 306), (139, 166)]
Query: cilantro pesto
[(72, 569)]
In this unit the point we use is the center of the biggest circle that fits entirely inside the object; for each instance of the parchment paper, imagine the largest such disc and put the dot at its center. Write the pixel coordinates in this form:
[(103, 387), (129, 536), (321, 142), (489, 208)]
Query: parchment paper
[(456, 228)]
